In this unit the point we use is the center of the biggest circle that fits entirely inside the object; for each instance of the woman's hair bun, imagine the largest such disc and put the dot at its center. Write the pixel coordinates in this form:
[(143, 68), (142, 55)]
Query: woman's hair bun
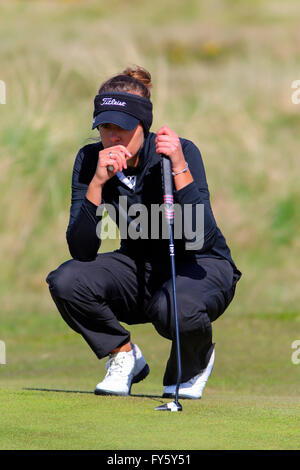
[(132, 80), (140, 74)]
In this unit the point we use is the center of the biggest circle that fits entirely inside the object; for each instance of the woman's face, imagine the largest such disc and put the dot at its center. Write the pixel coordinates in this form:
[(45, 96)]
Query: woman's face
[(112, 135)]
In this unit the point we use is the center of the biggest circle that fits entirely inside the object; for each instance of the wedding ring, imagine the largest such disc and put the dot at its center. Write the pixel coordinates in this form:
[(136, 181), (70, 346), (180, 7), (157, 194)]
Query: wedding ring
[(110, 167)]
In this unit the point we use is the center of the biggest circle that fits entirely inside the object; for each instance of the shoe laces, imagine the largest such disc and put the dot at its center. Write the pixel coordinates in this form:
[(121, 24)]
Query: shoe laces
[(115, 363)]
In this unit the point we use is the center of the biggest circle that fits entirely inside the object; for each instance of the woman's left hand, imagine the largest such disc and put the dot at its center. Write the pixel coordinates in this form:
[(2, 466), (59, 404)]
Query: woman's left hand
[(167, 142)]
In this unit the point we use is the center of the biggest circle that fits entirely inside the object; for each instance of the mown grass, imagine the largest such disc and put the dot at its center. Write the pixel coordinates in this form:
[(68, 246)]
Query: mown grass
[(52, 420), (222, 74), (251, 400)]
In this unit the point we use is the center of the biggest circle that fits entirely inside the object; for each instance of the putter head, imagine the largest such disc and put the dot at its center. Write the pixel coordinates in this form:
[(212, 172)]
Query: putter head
[(172, 406)]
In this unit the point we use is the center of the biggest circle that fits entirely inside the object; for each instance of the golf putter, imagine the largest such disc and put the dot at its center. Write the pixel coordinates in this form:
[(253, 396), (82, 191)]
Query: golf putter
[(167, 181)]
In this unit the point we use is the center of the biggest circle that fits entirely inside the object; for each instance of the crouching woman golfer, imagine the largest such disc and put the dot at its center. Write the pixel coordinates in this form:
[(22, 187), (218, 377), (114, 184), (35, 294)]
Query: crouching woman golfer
[(95, 292)]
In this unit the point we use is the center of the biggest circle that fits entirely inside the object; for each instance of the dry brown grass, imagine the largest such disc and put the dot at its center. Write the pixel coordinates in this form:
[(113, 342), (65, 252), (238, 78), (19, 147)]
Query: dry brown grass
[(222, 73)]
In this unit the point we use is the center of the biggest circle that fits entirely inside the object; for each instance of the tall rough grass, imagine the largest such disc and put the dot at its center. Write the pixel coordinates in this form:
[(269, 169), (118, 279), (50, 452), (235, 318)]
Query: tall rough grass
[(222, 74)]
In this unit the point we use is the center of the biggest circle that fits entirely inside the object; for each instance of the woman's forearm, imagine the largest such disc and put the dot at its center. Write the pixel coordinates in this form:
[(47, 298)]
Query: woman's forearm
[(182, 179), (81, 234), (94, 192)]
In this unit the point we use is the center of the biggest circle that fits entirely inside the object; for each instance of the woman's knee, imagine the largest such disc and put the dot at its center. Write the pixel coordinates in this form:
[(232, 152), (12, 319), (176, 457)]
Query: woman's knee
[(80, 280), (61, 280), (193, 320)]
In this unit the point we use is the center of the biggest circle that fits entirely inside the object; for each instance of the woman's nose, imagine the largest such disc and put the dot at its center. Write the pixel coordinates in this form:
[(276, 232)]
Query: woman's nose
[(114, 136)]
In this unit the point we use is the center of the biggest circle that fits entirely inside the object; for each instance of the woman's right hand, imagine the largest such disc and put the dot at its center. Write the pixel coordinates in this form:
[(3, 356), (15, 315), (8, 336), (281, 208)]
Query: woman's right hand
[(110, 161)]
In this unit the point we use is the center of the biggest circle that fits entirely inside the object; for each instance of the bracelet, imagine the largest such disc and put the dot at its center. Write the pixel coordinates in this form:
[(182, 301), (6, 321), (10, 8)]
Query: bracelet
[(181, 171)]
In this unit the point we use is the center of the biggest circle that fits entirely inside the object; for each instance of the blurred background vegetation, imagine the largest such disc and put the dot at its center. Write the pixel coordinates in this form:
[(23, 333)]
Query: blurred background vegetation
[(222, 74)]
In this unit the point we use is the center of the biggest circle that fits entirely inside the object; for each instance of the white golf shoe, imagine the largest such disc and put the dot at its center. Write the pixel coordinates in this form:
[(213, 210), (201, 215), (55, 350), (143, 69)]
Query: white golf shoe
[(194, 387), (123, 369)]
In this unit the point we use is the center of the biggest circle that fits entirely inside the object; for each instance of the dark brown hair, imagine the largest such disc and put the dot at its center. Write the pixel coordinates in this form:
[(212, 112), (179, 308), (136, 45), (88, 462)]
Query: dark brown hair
[(136, 80)]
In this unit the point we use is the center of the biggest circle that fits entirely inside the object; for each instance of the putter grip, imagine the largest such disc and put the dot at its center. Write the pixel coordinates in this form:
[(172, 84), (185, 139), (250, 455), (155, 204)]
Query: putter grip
[(167, 183), (167, 176)]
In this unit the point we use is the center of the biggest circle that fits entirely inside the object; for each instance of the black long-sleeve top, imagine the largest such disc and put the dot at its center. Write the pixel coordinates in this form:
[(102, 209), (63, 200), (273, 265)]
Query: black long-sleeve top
[(82, 238)]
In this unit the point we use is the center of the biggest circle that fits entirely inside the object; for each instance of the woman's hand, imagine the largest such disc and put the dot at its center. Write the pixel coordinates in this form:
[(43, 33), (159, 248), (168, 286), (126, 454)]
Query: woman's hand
[(168, 143), (111, 160)]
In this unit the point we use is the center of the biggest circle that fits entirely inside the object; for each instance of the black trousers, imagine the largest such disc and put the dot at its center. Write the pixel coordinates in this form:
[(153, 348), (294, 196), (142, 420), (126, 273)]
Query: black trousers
[(94, 297)]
